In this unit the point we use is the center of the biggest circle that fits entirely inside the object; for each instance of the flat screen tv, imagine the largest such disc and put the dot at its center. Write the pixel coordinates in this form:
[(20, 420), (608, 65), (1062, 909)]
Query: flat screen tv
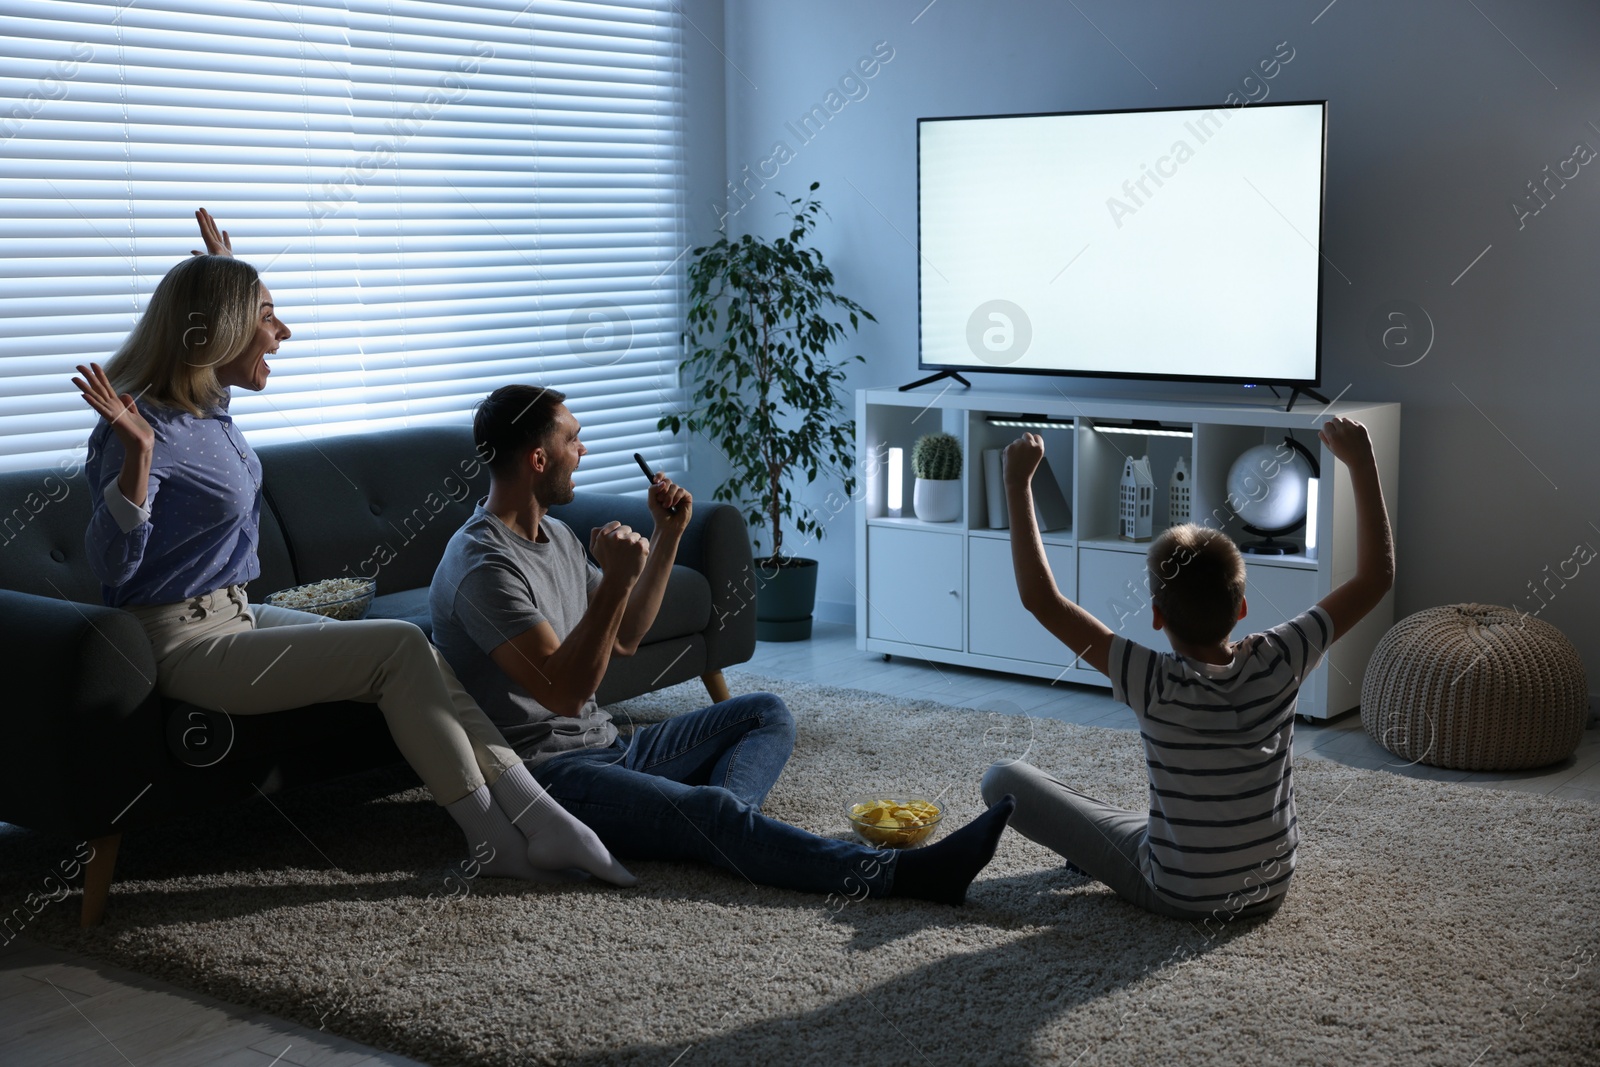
[(1178, 244)]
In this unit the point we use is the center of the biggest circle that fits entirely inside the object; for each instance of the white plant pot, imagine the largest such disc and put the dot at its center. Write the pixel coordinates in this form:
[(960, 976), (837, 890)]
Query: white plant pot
[(937, 500)]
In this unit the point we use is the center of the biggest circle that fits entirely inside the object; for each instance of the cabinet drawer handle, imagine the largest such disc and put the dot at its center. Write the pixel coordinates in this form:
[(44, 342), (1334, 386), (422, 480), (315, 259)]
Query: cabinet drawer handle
[(954, 593)]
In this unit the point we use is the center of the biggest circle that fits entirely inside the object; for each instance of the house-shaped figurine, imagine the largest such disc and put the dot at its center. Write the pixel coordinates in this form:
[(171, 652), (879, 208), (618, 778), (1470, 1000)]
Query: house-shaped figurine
[(1138, 499), (1178, 510)]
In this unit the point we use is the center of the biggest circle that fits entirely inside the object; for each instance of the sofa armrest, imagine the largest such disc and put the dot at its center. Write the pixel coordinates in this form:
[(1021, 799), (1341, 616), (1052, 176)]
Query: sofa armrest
[(83, 723), (717, 544)]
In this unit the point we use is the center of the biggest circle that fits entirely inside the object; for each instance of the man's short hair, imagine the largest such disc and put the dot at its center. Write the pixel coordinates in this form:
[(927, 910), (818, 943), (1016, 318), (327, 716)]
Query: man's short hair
[(512, 421), (1197, 580)]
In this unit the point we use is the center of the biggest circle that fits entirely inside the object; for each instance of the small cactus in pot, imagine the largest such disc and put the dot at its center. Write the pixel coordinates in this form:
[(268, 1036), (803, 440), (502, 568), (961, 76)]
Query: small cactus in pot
[(937, 456), (936, 460)]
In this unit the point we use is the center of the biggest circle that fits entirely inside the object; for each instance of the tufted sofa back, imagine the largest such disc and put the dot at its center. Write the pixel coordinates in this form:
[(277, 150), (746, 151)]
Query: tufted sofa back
[(43, 514), (379, 505), (375, 505)]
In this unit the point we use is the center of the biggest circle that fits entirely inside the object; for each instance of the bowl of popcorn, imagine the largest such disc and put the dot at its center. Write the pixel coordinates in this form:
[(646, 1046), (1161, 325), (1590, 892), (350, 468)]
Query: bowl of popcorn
[(335, 598), (893, 822)]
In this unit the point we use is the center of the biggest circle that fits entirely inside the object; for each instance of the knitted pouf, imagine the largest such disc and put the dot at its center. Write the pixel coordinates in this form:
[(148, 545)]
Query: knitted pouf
[(1475, 687)]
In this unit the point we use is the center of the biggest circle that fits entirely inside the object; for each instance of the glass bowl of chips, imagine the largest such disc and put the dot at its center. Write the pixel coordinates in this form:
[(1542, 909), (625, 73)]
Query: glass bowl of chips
[(893, 821), (345, 599)]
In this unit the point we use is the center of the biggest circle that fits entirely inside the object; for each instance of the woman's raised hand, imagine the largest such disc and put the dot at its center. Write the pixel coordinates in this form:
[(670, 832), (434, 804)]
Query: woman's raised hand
[(217, 243), (120, 411)]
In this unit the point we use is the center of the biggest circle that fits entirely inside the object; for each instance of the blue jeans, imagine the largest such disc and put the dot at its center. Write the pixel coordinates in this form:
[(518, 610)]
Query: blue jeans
[(691, 788)]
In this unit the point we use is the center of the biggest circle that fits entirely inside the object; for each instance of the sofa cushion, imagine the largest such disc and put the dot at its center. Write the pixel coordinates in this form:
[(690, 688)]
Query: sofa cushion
[(408, 604), (374, 505), (277, 566)]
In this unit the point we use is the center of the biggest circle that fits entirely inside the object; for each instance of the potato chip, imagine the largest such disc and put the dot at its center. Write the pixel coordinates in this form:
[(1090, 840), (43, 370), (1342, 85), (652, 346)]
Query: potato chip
[(894, 823)]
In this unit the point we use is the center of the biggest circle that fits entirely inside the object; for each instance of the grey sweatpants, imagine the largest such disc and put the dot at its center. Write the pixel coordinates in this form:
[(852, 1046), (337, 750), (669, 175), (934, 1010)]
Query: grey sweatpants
[(1105, 842), (220, 652)]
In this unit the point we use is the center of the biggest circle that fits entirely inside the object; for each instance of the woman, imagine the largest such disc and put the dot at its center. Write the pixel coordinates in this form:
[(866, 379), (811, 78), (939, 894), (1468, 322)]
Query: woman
[(173, 540)]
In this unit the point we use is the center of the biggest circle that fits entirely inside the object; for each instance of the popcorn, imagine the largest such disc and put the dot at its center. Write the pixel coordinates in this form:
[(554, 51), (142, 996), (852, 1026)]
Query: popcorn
[(335, 598)]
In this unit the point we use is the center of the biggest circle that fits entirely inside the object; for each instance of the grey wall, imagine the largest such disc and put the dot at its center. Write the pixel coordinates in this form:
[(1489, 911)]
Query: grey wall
[(705, 111), (706, 78), (1436, 120)]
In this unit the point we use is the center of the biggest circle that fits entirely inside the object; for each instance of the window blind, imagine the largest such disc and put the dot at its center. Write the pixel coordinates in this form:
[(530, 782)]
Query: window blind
[(443, 198)]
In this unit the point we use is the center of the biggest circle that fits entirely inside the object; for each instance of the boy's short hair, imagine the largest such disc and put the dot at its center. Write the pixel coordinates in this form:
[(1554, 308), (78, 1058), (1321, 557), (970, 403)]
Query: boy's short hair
[(512, 421), (1197, 580)]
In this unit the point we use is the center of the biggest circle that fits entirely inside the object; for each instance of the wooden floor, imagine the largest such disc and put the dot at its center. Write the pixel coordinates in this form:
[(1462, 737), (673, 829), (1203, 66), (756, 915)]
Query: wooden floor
[(61, 1010)]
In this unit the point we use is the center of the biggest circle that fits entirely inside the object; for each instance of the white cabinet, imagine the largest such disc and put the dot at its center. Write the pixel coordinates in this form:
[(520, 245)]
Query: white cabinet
[(1114, 588), (915, 587), (945, 592), (1274, 595), (997, 623)]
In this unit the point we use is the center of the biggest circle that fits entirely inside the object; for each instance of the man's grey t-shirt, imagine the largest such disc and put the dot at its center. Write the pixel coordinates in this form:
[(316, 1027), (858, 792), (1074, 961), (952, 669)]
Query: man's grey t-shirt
[(494, 584)]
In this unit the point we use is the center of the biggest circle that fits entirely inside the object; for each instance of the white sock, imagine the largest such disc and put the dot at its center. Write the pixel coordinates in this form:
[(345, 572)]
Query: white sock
[(556, 838), (485, 824)]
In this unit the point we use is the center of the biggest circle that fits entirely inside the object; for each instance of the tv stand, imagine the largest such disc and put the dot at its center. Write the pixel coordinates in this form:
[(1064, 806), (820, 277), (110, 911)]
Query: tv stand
[(930, 379), (946, 592), (1297, 391)]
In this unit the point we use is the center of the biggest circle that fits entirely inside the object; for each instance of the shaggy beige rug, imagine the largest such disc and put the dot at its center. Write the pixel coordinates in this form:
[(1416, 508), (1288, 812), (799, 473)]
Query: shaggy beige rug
[(1428, 924)]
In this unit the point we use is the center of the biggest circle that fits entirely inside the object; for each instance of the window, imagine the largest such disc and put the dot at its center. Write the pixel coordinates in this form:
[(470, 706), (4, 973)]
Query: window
[(443, 198)]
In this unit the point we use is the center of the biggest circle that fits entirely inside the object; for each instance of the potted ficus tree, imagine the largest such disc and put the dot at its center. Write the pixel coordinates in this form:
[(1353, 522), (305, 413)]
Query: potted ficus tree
[(762, 318)]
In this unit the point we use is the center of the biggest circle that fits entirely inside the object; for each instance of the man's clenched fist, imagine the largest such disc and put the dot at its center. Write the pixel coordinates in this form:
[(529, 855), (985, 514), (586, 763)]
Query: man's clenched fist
[(619, 550)]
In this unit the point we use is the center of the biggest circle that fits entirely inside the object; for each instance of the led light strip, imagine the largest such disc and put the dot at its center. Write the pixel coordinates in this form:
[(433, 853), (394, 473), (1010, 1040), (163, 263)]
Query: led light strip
[(1031, 424), (1144, 431), (896, 489)]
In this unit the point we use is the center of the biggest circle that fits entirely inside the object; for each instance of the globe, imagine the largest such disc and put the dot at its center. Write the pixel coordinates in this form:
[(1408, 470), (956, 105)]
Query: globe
[(1267, 487)]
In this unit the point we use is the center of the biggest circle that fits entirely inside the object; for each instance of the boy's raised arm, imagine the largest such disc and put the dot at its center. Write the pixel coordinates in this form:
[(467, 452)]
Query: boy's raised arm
[(1077, 629), (1374, 576)]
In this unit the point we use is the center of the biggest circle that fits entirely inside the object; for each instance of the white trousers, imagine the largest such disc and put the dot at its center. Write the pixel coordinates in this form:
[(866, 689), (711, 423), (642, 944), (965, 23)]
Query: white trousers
[(220, 652)]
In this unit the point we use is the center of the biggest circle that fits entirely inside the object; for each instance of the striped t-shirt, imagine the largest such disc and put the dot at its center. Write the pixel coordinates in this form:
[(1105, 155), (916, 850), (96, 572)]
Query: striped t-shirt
[(1217, 744)]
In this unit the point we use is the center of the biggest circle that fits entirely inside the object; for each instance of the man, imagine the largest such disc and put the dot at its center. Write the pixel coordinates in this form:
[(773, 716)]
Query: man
[(530, 625)]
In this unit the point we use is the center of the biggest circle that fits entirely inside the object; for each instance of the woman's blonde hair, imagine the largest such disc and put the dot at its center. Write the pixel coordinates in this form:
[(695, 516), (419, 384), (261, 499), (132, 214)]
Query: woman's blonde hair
[(202, 314)]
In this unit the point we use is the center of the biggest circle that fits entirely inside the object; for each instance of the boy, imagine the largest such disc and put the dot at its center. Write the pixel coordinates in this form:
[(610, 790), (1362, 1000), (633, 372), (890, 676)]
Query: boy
[(1217, 718)]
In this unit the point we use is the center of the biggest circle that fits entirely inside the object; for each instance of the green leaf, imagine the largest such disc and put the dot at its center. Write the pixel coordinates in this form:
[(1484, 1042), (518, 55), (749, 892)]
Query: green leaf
[(756, 342)]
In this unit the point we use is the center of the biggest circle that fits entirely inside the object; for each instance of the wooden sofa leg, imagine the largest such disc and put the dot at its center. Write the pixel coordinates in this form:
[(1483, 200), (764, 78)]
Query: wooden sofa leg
[(717, 686), (97, 879)]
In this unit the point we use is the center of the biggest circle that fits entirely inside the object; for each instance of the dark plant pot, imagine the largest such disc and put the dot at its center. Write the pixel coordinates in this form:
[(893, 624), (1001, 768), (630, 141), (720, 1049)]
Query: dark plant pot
[(785, 597)]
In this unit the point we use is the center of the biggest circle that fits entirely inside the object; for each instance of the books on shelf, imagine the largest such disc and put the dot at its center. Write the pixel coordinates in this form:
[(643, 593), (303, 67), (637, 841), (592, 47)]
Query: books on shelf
[(994, 488), (1049, 503)]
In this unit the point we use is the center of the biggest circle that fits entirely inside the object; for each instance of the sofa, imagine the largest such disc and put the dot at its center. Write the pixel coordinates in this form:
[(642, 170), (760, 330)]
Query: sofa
[(92, 750)]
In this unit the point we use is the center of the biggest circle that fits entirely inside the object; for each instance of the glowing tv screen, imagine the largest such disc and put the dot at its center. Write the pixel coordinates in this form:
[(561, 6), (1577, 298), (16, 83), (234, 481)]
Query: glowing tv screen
[(1180, 244)]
